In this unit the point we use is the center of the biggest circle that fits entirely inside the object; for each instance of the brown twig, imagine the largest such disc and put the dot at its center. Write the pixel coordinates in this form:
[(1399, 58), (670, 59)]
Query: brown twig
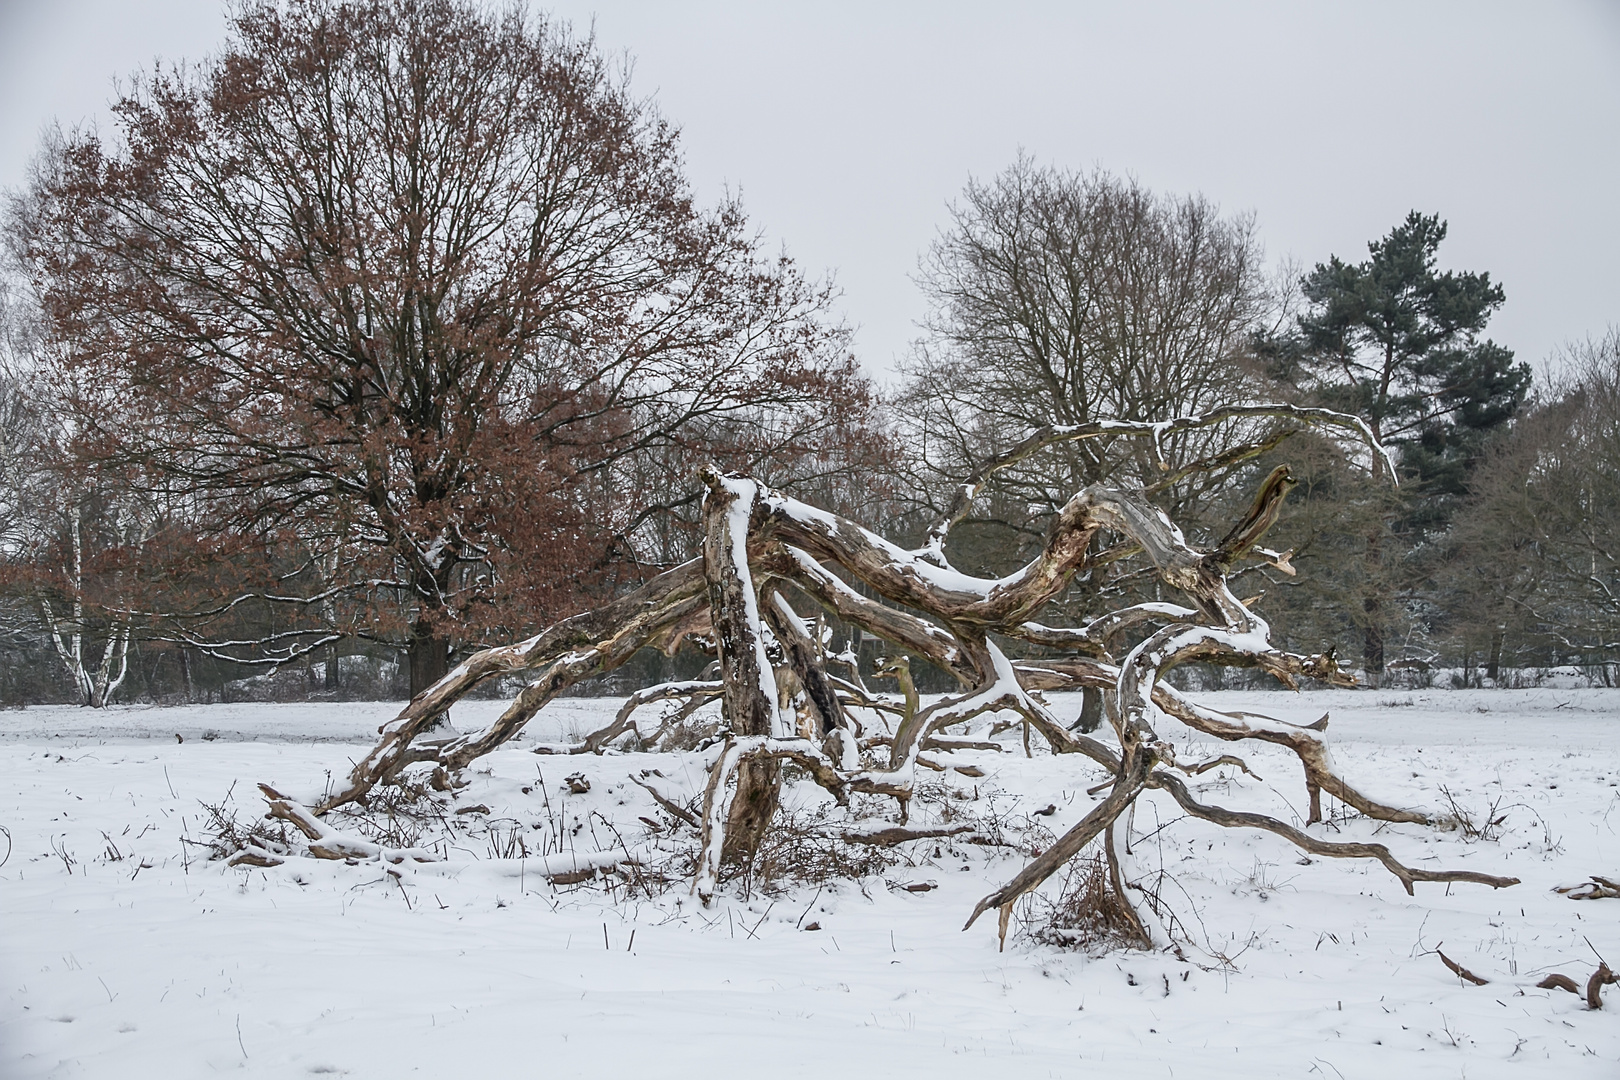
[(670, 806)]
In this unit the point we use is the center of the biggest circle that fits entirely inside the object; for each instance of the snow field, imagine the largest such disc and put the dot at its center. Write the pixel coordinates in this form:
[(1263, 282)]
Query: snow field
[(125, 953)]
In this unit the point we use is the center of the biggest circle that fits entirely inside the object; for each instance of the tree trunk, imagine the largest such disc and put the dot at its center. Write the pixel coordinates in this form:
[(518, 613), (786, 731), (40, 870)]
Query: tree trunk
[(759, 788), (1091, 710), (332, 670), (1493, 665), (429, 655), (750, 683), (1372, 607), (1372, 642)]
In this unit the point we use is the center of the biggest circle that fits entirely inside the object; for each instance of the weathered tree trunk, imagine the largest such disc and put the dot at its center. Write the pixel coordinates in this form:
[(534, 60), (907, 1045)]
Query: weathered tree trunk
[(750, 684), (332, 670), (759, 790)]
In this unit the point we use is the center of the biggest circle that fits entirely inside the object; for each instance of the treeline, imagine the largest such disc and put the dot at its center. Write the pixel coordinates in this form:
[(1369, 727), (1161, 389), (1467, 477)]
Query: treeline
[(1060, 298), (395, 330)]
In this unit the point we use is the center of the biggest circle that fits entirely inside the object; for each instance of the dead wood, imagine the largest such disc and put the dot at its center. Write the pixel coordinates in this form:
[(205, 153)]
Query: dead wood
[(759, 791), (1559, 982), (669, 805), (1460, 971), (1305, 741), (900, 834), (579, 647), (803, 661), (1599, 888), (760, 546), (1090, 911), (1116, 882), (1594, 986), (1331, 849), (1041, 438), (948, 743), (326, 842), (1134, 775), (1225, 759), (696, 693)]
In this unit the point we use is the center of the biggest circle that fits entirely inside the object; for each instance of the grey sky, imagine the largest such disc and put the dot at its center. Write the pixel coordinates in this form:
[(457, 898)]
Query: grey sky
[(849, 126)]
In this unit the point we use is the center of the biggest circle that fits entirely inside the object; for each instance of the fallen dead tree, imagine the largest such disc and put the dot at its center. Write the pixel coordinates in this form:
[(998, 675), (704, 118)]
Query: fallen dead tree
[(764, 552)]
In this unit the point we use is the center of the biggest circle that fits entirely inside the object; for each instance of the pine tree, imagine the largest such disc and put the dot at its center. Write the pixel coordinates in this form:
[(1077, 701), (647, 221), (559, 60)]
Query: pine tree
[(1398, 342)]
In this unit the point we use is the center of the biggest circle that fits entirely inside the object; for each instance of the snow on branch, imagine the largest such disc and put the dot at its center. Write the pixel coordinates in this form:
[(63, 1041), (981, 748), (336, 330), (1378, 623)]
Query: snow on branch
[(780, 704)]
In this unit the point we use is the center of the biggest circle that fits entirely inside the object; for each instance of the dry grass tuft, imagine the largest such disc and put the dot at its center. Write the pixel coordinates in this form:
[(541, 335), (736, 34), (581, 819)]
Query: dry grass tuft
[(1088, 915)]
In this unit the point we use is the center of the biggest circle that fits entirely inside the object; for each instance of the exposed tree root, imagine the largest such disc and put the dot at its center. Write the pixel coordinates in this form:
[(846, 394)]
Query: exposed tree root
[(764, 551), (1327, 848), (1594, 986), (1599, 888)]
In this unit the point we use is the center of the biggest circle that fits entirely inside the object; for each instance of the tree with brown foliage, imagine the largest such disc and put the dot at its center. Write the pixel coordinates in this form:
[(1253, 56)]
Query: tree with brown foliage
[(418, 295)]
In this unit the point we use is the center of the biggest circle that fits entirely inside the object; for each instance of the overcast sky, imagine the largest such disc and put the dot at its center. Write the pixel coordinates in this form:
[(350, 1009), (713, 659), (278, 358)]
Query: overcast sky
[(849, 127)]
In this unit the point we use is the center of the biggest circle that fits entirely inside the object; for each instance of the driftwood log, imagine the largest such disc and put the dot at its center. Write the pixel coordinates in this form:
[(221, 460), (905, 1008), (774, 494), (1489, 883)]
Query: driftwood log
[(762, 549)]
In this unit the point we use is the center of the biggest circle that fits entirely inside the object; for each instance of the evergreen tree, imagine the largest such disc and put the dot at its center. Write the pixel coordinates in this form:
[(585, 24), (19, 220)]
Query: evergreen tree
[(1398, 342)]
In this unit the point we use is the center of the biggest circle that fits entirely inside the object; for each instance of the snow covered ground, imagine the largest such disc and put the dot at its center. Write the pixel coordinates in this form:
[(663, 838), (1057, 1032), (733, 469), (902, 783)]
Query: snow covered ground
[(124, 953)]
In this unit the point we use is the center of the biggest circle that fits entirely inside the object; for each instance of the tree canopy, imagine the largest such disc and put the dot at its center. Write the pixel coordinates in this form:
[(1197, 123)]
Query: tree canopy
[(1396, 340), (420, 291)]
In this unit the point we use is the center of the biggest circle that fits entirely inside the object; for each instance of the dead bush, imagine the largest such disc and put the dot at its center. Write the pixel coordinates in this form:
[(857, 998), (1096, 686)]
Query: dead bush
[(1088, 914), (804, 847), (395, 815), (224, 834)]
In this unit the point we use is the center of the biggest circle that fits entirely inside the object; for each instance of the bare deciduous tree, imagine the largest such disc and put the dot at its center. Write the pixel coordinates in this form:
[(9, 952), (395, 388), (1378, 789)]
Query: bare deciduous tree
[(66, 533), (1534, 550), (1066, 298)]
